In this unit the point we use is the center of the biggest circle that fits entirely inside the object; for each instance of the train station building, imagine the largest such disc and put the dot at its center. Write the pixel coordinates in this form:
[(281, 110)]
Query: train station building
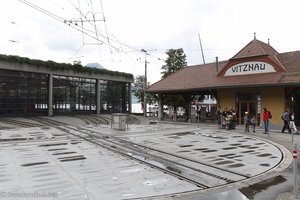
[(256, 77), (35, 87)]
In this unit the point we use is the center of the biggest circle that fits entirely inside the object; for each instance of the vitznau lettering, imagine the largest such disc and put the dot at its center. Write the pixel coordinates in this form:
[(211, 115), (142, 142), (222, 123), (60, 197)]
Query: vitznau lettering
[(248, 67), (254, 67)]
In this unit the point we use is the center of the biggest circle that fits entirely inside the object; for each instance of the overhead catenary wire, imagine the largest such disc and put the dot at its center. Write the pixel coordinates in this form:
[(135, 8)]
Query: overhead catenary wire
[(94, 19), (54, 16), (95, 26), (96, 29), (61, 7), (76, 52), (42, 10), (97, 32), (118, 46), (105, 26), (86, 31), (108, 37), (86, 19)]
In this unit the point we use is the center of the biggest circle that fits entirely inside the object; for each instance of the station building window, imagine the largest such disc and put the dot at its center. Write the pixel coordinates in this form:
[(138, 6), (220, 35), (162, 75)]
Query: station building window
[(114, 96), (248, 102), (73, 94), (23, 93)]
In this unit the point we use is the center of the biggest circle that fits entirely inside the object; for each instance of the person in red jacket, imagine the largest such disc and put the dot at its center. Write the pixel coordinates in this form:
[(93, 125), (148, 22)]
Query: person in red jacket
[(266, 120)]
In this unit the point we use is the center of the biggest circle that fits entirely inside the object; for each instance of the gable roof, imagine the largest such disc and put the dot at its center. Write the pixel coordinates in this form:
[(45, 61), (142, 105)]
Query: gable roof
[(205, 77), (255, 48)]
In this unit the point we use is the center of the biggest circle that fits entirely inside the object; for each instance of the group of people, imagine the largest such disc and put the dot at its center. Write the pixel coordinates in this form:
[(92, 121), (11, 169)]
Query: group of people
[(288, 121), (227, 119)]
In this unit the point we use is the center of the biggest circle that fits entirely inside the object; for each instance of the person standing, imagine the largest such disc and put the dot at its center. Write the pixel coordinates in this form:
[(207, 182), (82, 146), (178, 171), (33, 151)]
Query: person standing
[(224, 115), (286, 122), (266, 120), (233, 120), (247, 122), (292, 123), (219, 117), (253, 123)]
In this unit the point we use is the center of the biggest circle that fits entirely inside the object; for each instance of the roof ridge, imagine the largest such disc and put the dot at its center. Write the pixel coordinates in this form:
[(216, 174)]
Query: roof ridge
[(241, 50), (255, 48), (258, 42), (288, 52), (210, 63)]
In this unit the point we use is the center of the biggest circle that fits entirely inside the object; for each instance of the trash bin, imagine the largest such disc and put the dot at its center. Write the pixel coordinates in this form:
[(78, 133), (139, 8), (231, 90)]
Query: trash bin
[(119, 121)]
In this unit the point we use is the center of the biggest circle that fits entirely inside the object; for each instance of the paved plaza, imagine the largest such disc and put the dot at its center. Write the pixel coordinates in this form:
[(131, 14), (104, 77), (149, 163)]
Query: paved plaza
[(51, 161)]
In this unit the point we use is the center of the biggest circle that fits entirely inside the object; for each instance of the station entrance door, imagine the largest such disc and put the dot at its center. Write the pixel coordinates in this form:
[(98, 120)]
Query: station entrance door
[(248, 103)]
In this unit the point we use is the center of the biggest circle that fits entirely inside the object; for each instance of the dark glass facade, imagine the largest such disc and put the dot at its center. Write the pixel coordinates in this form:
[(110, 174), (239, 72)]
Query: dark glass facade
[(72, 94), (23, 93), (114, 97), (26, 93)]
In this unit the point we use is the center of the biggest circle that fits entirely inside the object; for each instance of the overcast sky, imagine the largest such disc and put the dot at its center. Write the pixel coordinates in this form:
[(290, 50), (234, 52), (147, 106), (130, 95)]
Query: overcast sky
[(225, 27)]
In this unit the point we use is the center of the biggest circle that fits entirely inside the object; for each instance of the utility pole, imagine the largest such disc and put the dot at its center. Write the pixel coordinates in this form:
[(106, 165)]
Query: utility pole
[(145, 86), (201, 48)]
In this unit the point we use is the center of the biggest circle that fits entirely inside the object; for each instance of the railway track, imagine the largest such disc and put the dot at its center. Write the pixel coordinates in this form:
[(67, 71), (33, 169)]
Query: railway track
[(200, 174), (19, 123), (92, 119)]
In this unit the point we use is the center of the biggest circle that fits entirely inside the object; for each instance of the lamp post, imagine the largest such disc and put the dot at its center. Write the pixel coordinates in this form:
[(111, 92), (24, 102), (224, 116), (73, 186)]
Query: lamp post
[(145, 86)]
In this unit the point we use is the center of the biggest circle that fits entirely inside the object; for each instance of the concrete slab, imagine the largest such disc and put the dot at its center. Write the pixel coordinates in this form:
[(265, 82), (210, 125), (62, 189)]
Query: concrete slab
[(44, 160), (74, 168)]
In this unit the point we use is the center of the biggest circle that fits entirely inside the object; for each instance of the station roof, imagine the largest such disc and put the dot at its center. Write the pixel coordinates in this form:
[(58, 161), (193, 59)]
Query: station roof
[(12, 62), (255, 48), (212, 76)]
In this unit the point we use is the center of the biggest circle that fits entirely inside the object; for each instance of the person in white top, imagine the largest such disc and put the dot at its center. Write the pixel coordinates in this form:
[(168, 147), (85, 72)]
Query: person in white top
[(292, 123)]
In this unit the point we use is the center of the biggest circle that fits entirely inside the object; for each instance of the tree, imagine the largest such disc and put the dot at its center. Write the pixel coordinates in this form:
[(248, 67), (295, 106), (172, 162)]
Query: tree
[(175, 61), (76, 62), (174, 100), (138, 90)]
